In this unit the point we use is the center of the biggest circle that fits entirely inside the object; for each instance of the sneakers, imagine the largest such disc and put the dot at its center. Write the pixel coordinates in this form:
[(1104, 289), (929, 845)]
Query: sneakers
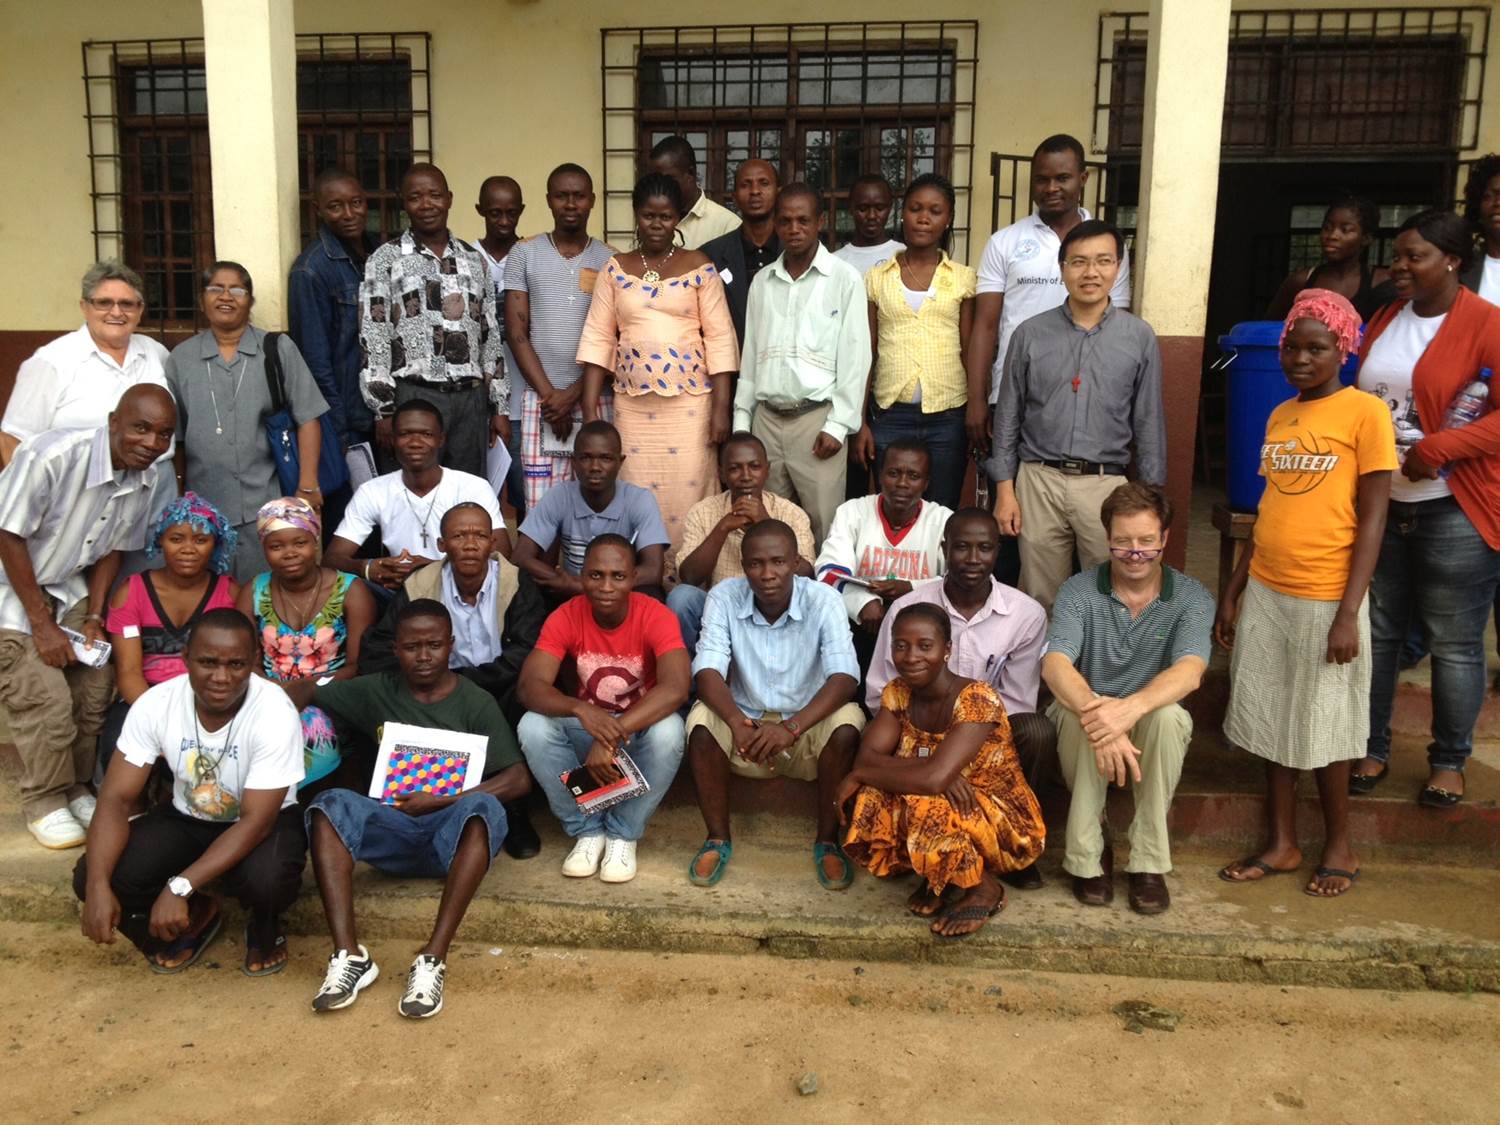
[(583, 860), (82, 809), (347, 974), (619, 861), (424, 988), (60, 829)]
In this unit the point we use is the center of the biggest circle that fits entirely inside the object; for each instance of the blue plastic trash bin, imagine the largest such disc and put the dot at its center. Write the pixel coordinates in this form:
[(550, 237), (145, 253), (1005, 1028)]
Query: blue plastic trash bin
[(1255, 386)]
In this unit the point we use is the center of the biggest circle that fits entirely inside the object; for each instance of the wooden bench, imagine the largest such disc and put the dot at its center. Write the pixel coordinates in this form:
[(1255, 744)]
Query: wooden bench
[(1233, 527)]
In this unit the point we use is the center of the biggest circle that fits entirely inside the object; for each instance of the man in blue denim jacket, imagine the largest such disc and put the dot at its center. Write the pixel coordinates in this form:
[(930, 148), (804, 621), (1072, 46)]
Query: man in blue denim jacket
[(324, 300)]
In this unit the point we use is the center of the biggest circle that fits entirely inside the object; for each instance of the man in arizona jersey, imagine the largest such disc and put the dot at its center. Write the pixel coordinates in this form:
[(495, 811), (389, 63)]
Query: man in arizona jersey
[(880, 546)]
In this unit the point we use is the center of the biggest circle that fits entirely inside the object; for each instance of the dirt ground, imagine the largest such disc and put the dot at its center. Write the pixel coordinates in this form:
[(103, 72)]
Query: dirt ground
[(560, 1035)]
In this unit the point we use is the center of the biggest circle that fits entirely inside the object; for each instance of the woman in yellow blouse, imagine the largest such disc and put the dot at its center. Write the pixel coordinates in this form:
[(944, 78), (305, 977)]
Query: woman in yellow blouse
[(921, 310), (660, 323)]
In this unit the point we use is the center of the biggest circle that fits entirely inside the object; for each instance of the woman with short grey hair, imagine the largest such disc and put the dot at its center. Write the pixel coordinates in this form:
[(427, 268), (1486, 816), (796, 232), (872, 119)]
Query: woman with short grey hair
[(74, 382)]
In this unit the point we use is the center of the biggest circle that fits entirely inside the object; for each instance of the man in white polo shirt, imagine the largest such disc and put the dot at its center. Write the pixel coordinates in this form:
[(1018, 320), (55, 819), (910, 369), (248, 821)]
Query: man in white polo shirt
[(1019, 276), (408, 505)]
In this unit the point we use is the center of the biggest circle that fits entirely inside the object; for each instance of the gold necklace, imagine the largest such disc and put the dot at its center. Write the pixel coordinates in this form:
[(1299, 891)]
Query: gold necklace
[(303, 614), (651, 274)]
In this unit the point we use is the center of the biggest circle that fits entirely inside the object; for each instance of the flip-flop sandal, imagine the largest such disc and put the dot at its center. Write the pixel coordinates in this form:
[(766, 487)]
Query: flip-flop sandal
[(1254, 863), (1331, 873), (1436, 797), (197, 943), (1361, 784), (969, 914), (923, 895), (254, 952), (723, 849), (820, 850)]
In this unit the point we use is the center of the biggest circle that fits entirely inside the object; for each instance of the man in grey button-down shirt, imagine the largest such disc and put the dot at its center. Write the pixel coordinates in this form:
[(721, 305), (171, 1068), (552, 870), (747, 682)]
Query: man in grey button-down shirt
[(1082, 389)]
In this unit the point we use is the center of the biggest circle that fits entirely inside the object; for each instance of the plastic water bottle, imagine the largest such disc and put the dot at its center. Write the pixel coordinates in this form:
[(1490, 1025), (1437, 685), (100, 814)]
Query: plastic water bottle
[(1469, 405)]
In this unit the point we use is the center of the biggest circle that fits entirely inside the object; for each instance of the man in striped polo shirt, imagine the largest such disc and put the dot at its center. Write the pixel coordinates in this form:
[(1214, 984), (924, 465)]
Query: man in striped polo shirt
[(1130, 639)]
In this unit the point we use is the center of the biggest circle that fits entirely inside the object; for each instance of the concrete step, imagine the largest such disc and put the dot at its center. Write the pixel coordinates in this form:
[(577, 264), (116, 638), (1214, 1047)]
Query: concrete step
[(1401, 927)]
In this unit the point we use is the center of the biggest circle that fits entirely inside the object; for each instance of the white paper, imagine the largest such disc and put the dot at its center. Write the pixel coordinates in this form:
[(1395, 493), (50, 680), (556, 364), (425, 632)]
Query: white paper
[(360, 459), (497, 465), (465, 752)]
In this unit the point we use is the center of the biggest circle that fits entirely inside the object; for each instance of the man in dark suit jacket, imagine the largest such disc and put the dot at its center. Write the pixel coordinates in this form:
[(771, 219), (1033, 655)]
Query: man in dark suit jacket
[(740, 254)]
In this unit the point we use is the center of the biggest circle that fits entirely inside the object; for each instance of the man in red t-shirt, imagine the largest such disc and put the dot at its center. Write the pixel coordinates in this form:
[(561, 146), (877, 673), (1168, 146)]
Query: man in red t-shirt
[(608, 673)]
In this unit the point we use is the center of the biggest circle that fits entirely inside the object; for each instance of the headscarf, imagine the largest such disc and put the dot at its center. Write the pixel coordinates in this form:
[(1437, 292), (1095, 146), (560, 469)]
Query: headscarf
[(201, 516), (1333, 311), (288, 514)]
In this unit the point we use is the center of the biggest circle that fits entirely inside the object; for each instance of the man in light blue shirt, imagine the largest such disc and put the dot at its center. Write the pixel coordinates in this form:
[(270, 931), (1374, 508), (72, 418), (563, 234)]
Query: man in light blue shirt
[(776, 676)]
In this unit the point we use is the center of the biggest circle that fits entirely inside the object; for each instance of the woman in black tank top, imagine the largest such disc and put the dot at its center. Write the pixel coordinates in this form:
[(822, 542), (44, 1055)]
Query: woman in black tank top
[(1349, 227)]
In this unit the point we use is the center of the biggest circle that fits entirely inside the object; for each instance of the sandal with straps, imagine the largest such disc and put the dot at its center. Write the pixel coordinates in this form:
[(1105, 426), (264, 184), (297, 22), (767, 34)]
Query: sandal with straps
[(822, 850)]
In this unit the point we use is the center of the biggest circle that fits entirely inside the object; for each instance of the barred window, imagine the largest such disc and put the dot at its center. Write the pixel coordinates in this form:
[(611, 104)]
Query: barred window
[(362, 104), (825, 103)]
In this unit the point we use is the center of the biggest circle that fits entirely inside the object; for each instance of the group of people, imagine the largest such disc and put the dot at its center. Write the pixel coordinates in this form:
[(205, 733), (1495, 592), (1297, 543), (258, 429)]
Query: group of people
[(696, 569)]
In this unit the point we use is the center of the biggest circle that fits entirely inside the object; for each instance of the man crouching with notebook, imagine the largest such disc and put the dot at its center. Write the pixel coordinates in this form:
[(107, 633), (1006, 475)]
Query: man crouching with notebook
[(420, 834)]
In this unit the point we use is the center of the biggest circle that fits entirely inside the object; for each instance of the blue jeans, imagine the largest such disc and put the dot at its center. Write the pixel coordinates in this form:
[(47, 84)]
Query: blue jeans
[(942, 433), (1435, 569), (411, 847), (687, 603), (554, 747)]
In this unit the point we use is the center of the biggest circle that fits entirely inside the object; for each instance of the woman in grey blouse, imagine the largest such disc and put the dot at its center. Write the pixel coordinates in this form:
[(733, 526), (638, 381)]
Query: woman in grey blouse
[(219, 380)]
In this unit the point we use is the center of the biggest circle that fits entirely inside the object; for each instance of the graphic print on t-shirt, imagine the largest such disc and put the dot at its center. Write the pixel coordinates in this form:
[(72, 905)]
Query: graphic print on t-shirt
[(1297, 464), (200, 780), (1403, 417), (611, 680)]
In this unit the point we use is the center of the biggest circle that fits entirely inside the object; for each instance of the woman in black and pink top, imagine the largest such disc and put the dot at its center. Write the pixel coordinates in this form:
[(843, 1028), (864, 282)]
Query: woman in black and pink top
[(151, 614)]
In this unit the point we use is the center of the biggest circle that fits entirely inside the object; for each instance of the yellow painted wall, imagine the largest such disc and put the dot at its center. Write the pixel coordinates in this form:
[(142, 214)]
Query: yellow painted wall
[(515, 87)]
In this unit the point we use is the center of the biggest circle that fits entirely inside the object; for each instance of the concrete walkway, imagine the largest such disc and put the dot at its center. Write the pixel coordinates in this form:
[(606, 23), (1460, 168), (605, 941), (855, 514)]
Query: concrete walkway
[(1402, 927)]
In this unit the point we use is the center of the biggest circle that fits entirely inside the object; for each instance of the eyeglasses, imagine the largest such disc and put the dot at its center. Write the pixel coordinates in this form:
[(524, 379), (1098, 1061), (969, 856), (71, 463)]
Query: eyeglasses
[(1136, 554), (239, 293), (1103, 262), (104, 304)]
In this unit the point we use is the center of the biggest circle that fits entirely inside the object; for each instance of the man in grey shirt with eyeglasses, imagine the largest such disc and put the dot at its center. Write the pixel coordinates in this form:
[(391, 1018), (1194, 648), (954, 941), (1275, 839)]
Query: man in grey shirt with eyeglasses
[(1082, 390)]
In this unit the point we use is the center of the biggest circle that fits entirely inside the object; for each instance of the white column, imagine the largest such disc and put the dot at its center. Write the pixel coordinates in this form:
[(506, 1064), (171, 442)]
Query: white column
[(1187, 57), (250, 55)]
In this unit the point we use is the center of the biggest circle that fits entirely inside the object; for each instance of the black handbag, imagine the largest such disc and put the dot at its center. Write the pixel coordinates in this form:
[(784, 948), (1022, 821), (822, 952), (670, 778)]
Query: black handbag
[(281, 432)]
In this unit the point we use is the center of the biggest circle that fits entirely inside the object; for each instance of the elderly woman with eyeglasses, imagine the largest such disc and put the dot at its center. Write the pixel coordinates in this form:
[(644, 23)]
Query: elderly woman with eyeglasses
[(223, 401), (73, 382)]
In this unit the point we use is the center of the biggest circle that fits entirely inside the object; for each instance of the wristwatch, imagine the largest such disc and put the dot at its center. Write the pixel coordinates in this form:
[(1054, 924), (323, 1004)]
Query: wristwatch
[(180, 887), (792, 725)]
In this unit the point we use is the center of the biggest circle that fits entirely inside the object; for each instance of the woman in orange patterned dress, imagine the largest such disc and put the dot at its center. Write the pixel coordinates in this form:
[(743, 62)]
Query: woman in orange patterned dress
[(937, 786)]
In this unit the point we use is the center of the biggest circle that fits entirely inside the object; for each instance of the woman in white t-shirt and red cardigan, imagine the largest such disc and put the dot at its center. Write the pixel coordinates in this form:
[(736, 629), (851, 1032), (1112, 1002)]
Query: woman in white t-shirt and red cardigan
[(1440, 558)]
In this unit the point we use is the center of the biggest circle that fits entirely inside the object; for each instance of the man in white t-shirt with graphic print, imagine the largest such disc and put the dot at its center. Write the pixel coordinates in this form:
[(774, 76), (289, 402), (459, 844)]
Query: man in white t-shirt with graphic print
[(233, 743), (407, 506)]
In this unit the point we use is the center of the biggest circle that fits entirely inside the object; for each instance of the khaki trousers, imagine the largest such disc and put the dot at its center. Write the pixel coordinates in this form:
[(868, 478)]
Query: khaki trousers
[(55, 716), (1162, 738), (816, 486), (1059, 511)]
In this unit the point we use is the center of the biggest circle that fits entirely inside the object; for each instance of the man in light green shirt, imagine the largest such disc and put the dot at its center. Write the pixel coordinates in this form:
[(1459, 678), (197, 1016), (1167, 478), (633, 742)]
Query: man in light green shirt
[(805, 361)]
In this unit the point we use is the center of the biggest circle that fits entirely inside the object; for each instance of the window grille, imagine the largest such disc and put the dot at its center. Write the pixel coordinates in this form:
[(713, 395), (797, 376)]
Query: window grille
[(363, 103), (823, 102)]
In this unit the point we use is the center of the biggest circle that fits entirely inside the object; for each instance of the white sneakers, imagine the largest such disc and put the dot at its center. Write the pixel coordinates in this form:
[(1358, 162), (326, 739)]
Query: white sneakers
[(618, 858), (583, 860), (82, 809), (60, 829), (619, 861)]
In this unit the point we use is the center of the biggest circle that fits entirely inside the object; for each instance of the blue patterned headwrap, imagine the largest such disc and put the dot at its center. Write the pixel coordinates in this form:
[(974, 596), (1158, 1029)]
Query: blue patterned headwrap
[(200, 515)]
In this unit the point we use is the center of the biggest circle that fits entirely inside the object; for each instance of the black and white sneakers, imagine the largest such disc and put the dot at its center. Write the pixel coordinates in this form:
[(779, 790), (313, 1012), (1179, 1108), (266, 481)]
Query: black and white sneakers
[(424, 988), (347, 974)]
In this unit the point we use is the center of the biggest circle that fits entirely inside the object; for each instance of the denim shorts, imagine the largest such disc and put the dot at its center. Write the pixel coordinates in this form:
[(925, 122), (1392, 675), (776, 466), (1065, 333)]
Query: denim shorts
[(418, 847)]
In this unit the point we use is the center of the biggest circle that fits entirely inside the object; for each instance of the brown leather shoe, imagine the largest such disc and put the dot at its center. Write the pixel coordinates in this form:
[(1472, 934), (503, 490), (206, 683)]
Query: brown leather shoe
[(1148, 893), (1099, 890)]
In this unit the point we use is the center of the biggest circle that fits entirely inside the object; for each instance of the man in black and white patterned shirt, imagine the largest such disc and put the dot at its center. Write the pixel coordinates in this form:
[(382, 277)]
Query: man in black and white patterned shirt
[(428, 329)]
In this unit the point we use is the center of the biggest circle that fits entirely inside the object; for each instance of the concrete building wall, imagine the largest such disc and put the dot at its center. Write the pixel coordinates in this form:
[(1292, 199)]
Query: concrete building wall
[(516, 88)]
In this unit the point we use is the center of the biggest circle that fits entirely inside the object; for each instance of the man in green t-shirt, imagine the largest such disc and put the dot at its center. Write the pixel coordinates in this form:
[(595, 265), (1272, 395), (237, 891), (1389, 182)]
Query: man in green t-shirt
[(421, 835)]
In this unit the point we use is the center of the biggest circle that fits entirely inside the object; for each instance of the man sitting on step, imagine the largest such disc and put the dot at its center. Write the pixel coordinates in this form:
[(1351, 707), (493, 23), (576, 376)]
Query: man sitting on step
[(421, 835), (776, 677)]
